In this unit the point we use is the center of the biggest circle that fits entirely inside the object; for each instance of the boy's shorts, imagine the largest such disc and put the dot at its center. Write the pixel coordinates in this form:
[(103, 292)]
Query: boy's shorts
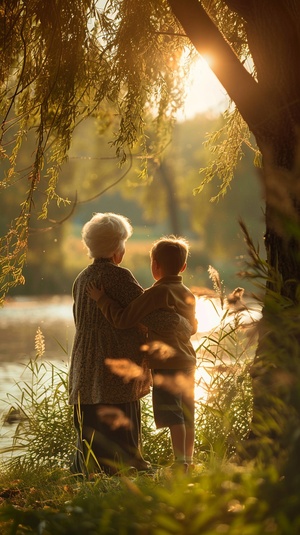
[(173, 397)]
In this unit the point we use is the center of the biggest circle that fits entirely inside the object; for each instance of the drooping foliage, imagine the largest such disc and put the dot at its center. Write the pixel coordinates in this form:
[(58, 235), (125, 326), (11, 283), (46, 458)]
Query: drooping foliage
[(124, 62), (64, 61)]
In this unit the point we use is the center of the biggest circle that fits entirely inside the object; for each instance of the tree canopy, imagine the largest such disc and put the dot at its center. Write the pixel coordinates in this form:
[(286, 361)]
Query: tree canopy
[(125, 62), (268, 100), (64, 61)]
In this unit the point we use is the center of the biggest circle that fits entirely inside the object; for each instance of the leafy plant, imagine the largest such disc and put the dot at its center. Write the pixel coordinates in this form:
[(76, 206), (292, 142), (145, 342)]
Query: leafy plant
[(223, 417), (223, 498), (44, 434)]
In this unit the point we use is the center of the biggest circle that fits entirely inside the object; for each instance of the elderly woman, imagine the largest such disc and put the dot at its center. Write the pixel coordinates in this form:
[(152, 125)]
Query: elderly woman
[(106, 404)]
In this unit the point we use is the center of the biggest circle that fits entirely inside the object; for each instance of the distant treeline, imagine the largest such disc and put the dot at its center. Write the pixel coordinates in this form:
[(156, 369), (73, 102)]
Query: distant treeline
[(160, 204)]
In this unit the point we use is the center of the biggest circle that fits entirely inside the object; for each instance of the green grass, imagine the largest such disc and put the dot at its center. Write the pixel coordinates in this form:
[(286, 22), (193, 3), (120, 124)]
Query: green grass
[(223, 498)]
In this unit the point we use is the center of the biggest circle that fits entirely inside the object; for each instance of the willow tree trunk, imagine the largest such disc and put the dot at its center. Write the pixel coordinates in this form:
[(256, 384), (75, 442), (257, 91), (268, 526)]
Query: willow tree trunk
[(270, 105)]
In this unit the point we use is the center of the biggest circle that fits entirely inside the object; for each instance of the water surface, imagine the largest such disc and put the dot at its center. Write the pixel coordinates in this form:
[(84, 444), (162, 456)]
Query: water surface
[(20, 319)]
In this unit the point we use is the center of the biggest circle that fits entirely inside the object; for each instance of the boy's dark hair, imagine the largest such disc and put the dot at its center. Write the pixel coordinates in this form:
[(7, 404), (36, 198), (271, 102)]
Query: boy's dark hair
[(170, 253)]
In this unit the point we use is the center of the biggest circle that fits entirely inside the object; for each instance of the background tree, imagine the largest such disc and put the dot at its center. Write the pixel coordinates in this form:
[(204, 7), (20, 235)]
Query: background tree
[(268, 100), (93, 183)]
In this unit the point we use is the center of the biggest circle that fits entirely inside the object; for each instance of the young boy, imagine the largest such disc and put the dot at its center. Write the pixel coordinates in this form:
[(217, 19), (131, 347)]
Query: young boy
[(171, 359)]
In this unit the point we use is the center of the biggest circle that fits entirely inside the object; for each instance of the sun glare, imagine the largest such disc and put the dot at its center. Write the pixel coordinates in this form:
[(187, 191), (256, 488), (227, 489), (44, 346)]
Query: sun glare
[(208, 59), (211, 319), (205, 94), (208, 313)]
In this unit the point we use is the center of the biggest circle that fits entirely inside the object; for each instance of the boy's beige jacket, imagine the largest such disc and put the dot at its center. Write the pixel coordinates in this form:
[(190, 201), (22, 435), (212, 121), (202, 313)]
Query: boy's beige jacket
[(163, 350)]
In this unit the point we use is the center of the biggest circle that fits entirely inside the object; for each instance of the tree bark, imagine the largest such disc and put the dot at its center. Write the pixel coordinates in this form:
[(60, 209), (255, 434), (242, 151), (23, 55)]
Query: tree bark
[(240, 85), (271, 108)]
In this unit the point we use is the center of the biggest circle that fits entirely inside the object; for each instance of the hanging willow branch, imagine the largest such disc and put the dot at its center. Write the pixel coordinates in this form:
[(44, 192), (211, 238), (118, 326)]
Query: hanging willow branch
[(62, 62)]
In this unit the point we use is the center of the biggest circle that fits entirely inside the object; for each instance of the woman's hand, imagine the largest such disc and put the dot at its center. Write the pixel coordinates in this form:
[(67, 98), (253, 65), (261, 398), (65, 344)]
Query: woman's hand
[(93, 292)]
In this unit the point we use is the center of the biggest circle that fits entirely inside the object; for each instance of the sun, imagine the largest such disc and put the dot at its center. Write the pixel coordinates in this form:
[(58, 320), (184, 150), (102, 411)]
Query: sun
[(205, 94)]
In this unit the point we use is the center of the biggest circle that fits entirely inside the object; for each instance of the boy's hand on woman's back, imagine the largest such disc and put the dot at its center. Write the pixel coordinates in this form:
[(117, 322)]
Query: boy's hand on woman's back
[(93, 292)]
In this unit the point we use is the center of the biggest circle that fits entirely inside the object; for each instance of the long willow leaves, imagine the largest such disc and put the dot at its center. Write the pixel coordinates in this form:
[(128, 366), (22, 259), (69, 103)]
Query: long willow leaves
[(64, 61)]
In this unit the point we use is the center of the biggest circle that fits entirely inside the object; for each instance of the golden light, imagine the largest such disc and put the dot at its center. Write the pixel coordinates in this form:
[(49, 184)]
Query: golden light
[(114, 417), (211, 346), (208, 313), (208, 59), (202, 383), (125, 368), (204, 92)]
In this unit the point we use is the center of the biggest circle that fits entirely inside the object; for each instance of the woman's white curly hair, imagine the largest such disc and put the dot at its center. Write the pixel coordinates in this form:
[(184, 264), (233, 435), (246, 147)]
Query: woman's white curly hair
[(106, 234)]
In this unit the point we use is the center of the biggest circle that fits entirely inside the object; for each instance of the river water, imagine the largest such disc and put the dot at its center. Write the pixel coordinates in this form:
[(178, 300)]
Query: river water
[(20, 319)]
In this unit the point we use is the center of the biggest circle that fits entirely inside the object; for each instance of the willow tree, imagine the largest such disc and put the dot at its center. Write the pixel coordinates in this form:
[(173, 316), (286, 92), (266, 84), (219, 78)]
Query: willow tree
[(62, 61), (267, 98), (126, 61), (65, 60)]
